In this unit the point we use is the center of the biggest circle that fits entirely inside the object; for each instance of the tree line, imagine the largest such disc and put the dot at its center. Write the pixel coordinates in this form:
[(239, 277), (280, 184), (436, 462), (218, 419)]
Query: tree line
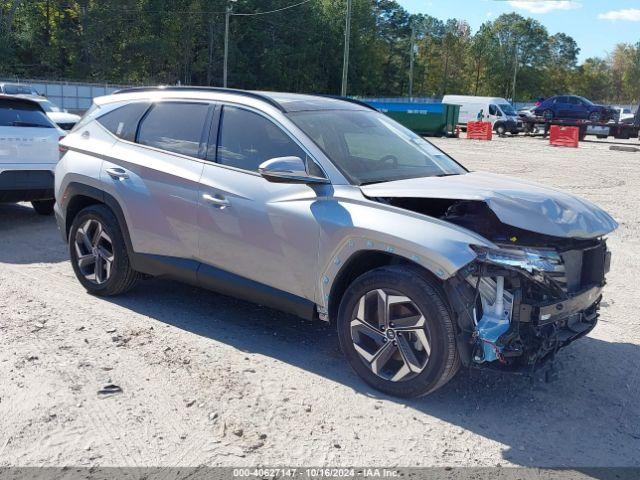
[(300, 49)]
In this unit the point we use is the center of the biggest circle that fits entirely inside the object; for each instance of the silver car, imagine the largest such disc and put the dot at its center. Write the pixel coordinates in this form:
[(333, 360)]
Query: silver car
[(330, 210)]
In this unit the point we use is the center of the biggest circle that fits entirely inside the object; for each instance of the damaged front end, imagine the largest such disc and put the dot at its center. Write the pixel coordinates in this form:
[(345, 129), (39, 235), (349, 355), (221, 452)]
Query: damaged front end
[(518, 305), (538, 286)]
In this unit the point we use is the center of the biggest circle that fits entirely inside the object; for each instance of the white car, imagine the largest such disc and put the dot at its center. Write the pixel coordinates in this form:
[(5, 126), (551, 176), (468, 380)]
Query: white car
[(63, 119), (28, 153)]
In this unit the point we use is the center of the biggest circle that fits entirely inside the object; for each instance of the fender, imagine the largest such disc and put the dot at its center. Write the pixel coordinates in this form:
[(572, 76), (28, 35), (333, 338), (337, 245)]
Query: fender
[(351, 226)]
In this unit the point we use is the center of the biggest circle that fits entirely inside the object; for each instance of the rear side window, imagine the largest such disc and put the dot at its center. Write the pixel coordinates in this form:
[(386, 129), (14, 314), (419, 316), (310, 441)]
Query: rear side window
[(123, 121), (176, 127), (14, 113), (248, 139)]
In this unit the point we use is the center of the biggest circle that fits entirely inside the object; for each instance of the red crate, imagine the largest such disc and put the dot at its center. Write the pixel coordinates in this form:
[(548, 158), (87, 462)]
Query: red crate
[(560, 136), (479, 131)]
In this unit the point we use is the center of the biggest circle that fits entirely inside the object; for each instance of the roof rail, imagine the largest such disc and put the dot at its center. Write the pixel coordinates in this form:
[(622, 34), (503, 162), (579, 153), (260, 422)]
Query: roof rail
[(236, 91), (347, 99)]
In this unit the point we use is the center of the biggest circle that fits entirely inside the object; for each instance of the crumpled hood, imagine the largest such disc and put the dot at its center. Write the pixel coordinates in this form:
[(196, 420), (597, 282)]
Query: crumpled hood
[(515, 202)]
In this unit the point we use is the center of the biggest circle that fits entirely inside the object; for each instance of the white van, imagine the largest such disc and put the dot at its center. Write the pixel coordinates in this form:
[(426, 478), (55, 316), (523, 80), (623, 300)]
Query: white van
[(492, 109)]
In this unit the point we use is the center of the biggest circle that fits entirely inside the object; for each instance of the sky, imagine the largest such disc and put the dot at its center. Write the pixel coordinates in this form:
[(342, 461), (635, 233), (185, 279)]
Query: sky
[(596, 25)]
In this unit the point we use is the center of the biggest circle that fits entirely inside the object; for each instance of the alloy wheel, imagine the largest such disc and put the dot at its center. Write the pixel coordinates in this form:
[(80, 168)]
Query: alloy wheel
[(388, 333), (94, 252)]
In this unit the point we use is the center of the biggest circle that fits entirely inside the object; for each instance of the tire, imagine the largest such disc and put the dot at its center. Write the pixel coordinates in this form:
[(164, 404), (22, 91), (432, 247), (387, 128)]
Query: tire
[(43, 207), (369, 348), (112, 272), (594, 117), (548, 115), (500, 129)]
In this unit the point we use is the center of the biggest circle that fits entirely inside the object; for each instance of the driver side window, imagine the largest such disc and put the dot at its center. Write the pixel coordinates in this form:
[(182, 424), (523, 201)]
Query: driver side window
[(493, 110), (248, 139)]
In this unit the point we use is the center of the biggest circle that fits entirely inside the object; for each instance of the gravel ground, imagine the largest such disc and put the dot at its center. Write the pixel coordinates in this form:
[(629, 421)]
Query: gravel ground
[(206, 379)]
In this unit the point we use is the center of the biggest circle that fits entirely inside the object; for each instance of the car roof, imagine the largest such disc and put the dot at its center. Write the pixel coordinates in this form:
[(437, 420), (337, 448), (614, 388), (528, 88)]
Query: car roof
[(285, 102)]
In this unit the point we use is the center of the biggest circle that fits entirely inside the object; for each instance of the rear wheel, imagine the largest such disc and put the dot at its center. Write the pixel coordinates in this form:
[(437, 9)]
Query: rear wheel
[(98, 252), (594, 117), (43, 207), (397, 333)]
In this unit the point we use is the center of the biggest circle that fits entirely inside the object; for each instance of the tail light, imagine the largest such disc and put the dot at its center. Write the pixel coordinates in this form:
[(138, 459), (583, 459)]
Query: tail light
[(61, 149)]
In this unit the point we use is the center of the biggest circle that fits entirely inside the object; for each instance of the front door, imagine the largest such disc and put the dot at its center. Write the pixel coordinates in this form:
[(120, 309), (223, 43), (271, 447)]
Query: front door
[(263, 231)]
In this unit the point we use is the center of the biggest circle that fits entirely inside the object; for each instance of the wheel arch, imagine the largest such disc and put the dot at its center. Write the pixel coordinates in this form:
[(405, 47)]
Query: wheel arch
[(78, 196), (361, 262)]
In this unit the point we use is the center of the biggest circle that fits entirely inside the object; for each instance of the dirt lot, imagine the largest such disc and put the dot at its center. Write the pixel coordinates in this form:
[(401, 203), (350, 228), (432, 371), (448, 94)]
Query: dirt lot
[(210, 380)]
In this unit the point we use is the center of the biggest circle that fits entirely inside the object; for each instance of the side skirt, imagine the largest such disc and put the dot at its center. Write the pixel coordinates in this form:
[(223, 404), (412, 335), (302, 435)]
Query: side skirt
[(221, 281)]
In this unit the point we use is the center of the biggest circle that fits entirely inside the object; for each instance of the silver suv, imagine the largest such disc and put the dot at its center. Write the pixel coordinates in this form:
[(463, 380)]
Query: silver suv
[(328, 209)]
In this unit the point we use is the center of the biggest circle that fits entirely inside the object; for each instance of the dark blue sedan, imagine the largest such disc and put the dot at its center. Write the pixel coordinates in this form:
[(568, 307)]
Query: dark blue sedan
[(573, 107)]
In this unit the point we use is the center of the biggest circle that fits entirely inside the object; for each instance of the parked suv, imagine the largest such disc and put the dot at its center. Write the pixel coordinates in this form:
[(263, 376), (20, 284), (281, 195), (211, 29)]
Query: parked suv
[(28, 153), (327, 209), (575, 108)]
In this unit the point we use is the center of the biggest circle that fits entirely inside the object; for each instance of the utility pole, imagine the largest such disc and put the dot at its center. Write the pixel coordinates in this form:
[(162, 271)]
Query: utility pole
[(515, 73), (347, 36), (226, 42), (411, 53)]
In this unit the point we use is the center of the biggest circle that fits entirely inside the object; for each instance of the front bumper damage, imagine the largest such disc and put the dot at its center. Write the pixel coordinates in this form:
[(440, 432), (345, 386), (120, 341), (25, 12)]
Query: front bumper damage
[(515, 316)]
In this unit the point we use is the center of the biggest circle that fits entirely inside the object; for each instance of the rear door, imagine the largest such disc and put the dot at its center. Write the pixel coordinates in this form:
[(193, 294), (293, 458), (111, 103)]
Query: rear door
[(28, 139), (251, 227), (154, 171)]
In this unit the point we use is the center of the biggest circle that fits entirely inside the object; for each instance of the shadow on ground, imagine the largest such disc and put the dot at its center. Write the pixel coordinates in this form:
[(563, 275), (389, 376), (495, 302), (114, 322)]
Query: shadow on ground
[(26, 237), (589, 417)]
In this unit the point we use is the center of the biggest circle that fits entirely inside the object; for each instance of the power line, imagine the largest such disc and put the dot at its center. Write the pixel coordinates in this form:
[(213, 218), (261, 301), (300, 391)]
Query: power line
[(271, 11), (195, 12)]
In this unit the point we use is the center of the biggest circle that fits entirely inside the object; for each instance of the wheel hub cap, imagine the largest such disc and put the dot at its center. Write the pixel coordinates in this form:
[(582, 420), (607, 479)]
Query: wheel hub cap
[(390, 336), (94, 251)]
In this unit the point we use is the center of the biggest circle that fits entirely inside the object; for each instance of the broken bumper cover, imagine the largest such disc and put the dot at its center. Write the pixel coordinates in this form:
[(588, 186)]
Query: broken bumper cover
[(540, 311)]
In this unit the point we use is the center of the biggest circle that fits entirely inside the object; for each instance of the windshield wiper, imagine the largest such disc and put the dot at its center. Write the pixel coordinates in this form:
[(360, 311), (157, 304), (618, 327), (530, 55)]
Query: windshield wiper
[(447, 174)]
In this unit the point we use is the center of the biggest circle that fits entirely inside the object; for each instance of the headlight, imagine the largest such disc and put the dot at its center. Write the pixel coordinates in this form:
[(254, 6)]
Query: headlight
[(529, 259)]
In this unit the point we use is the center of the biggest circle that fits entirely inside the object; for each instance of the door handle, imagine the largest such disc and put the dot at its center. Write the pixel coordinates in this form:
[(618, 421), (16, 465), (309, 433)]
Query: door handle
[(117, 173), (217, 201)]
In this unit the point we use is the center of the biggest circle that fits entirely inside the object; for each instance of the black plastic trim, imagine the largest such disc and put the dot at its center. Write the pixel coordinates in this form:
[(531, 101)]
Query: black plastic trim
[(227, 283), (75, 189)]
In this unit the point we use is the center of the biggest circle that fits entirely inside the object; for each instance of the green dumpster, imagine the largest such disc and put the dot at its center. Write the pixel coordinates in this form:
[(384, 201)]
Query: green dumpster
[(423, 118)]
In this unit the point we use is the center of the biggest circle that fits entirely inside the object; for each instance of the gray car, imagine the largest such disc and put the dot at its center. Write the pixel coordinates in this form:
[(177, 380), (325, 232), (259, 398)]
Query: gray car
[(327, 209)]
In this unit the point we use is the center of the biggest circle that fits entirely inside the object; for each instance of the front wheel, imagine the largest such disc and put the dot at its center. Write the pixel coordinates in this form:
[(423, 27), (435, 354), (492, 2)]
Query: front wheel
[(594, 117), (43, 207), (396, 331), (500, 129), (99, 254)]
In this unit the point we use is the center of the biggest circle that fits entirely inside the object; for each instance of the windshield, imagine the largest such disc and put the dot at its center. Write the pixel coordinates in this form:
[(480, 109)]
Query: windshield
[(507, 109), (368, 147), (49, 107)]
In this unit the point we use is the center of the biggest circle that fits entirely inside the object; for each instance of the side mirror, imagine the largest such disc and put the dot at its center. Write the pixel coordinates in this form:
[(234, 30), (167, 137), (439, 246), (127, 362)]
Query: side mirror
[(287, 170)]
